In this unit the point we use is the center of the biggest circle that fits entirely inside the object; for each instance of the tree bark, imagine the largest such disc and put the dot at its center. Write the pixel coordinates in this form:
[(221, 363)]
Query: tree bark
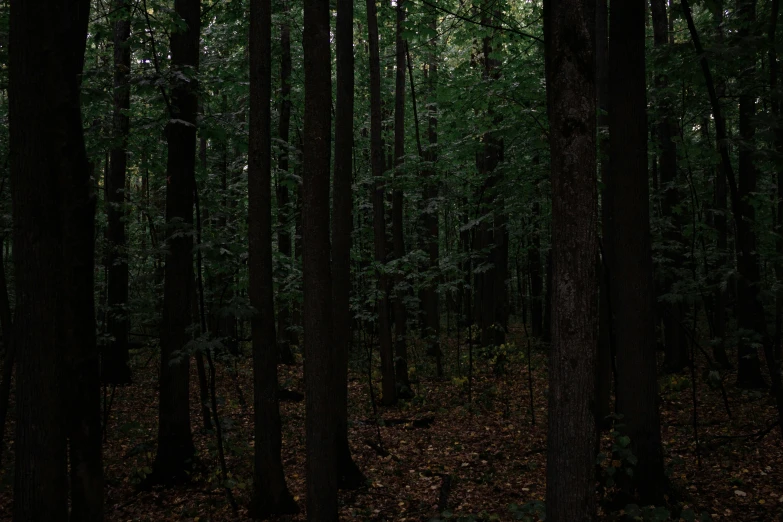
[(349, 474), (115, 367), (283, 198), (633, 297), (270, 492), (175, 452), (675, 341), (320, 361), (429, 297), (605, 357), (58, 376), (751, 323), (570, 65), (536, 280), (389, 392), (398, 224)]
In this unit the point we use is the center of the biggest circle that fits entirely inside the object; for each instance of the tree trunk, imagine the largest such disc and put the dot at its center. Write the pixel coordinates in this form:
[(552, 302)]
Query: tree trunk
[(9, 359), (751, 323), (115, 369), (605, 357), (349, 476), (675, 341), (571, 448), (389, 393), (270, 492), (57, 392), (430, 298), (633, 298), (489, 236), (175, 452), (720, 219), (283, 199), (536, 281), (320, 361), (778, 208), (398, 233)]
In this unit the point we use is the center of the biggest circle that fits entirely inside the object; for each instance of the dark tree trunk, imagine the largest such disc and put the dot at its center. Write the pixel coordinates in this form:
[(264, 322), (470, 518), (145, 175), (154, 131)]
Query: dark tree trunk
[(9, 358), (78, 203), (283, 199), (270, 492), (751, 323), (389, 393), (430, 298), (349, 475), (398, 234), (633, 298), (320, 360), (57, 392), (604, 361), (175, 440), (675, 342), (115, 369), (489, 236), (570, 65), (778, 208), (547, 333), (720, 294), (536, 280)]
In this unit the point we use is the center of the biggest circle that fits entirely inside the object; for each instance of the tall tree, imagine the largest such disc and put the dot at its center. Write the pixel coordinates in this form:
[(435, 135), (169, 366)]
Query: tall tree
[(349, 475), (675, 342), (570, 77), (429, 295), (53, 210), (379, 214), (283, 197), (630, 265), (270, 492), (605, 356), (115, 367), (490, 234), (320, 394), (175, 452), (398, 224), (751, 323)]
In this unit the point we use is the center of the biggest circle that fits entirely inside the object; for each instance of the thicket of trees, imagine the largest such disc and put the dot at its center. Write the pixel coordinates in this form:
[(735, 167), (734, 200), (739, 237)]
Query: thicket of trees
[(338, 184)]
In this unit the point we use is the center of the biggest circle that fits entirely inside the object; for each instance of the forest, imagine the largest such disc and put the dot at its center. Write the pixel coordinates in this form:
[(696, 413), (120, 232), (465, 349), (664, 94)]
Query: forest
[(407, 260)]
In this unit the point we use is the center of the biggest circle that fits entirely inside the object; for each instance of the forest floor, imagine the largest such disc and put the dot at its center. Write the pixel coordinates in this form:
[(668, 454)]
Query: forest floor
[(459, 460)]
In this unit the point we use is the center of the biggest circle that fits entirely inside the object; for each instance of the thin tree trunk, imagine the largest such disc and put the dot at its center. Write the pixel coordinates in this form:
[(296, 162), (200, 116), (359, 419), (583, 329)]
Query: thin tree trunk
[(389, 392), (349, 474), (571, 447), (633, 298), (398, 234), (10, 352), (174, 457), (430, 298), (675, 343), (320, 393), (534, 268), (751, 324), (603, 382), (270, 492), (115, 369), (283, 198)]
